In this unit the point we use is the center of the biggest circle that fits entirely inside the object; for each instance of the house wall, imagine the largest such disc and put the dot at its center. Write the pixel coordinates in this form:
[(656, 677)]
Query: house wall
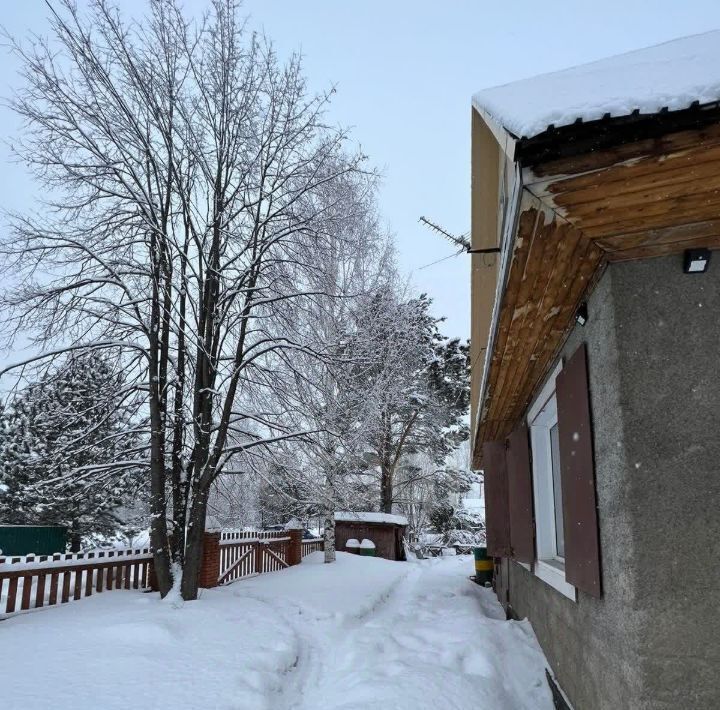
[(486, 171), (670, 377), (653, 639)]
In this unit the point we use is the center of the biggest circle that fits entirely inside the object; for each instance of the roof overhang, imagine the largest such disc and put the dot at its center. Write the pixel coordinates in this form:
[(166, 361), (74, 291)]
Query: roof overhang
[(641, 187), (505, 139)]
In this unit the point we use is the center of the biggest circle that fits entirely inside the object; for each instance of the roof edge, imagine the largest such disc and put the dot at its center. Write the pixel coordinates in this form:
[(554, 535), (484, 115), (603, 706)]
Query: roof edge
[(505, 139), (610, 131), (508, 237)]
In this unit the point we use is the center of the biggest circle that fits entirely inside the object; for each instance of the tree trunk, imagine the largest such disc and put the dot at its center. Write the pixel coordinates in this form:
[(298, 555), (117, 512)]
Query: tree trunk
[(194, 547), (161, 554), (158, 508), (75, 539), (329, 535), (386, 489)]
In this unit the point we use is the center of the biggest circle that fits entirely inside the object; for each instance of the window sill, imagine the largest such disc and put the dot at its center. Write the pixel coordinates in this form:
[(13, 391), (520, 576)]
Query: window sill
[(553, 574)]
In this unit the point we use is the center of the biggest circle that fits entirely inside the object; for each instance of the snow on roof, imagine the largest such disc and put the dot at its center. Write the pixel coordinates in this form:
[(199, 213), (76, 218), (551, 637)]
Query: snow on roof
[(671, 75), (370, 518)]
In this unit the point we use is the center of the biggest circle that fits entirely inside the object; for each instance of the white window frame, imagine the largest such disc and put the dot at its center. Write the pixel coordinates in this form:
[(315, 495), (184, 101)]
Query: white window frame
[(541, 417)]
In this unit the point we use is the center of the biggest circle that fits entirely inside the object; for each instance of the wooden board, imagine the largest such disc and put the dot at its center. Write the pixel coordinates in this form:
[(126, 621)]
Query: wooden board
[(632, 192), (582, 547), (551, 267), (497, 515), (650, 198), (520, 495)]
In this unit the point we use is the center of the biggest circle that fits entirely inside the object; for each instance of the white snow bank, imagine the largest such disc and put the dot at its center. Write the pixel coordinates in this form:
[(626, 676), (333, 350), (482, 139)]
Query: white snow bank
[(670, 75), (360, 633), (347, 516), (367, 544)]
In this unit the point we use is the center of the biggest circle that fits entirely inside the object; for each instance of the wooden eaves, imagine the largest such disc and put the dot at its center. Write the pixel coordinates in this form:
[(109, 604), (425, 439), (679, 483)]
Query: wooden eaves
[(591, 193)]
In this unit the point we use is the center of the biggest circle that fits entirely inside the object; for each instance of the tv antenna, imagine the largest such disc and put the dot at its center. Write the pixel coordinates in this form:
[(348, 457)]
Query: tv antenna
[(461, 241)]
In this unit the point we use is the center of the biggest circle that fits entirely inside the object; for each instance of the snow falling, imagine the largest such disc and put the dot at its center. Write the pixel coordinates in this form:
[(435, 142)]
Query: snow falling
[(246, 430)]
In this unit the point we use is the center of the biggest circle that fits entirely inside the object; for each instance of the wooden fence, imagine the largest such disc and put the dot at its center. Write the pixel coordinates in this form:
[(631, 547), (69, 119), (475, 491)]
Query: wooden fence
[(32, 582), (315, 545), (37, 581), (245, 553)]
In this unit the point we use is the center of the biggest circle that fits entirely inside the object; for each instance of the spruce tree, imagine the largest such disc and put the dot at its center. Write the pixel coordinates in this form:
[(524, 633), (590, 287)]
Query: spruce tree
[(63, 454), (417, 385)]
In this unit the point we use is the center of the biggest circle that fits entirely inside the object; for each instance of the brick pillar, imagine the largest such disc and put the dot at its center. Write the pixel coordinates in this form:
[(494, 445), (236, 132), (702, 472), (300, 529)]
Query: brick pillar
[(294, 556), (210, 567)]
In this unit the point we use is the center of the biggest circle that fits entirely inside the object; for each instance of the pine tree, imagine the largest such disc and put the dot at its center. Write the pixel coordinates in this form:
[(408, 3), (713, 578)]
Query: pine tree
[(61, 453), (418, 386), (19, 449)]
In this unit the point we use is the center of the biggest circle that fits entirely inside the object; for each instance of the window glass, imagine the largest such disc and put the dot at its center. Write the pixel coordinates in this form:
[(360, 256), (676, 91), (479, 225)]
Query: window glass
[(557, 491)]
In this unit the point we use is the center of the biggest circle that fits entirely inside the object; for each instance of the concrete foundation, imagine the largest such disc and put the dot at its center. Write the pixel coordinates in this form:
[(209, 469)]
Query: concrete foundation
[(653, 640)]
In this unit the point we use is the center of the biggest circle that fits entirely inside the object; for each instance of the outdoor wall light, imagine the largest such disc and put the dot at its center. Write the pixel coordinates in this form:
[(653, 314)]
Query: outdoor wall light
[(696, 261), (581, 315)]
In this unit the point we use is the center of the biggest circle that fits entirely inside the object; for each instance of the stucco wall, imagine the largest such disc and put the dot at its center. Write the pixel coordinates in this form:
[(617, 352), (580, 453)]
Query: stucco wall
[(669, 331), (652, 640)]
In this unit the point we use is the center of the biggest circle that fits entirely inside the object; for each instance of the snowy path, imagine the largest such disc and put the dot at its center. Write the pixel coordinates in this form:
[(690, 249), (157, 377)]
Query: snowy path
[(434, 641), (359, 634)]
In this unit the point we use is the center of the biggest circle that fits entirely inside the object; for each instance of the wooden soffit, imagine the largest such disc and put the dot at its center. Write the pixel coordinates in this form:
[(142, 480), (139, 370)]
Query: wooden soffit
[(649, 198), (641, 199)]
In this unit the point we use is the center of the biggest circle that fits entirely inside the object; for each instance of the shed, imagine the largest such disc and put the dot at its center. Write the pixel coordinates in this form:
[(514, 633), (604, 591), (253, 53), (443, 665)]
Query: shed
[(385, 530)]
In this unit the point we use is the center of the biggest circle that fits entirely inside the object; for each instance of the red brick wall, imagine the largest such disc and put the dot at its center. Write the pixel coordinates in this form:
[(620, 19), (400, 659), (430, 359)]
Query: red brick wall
[(210, 569)]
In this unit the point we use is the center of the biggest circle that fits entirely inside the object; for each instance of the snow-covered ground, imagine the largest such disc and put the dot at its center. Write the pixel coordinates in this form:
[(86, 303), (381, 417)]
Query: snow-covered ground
[(362, 633)]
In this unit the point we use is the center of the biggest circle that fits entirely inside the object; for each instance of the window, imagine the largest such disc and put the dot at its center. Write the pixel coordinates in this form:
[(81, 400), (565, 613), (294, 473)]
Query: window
[(557, 492), (547, 489)]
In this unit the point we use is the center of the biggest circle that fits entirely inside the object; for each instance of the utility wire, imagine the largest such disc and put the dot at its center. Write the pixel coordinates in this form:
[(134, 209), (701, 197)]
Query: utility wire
[(445, 258)]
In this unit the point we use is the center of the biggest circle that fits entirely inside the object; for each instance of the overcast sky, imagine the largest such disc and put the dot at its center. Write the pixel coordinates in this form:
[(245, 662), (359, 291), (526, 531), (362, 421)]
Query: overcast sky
[(405, 72)]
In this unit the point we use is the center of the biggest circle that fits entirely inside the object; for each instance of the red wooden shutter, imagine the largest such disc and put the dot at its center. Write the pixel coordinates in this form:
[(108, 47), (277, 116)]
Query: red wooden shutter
[(497, 522), (582, 540), (520, 498)]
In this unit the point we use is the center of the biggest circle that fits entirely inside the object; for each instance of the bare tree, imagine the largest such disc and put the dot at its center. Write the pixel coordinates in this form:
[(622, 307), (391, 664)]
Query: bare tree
[(187, 171)]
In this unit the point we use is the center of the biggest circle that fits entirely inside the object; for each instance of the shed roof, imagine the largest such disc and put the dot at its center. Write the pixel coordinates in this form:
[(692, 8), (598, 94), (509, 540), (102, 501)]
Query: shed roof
[(352, 517), (673, 76)]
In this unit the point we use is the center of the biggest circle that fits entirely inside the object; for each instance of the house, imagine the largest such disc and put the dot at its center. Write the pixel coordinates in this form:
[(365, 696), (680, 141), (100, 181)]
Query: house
[(596, 368)]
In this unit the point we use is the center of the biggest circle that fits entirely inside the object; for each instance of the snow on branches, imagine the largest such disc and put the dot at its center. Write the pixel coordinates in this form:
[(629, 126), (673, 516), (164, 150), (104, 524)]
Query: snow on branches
[(70, 451), (192, 181)]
